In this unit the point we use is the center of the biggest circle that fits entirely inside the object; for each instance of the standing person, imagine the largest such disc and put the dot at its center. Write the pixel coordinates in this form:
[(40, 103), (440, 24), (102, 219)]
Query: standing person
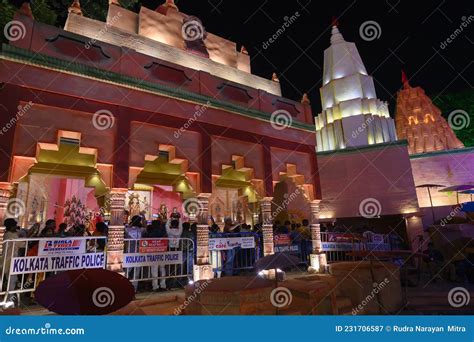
[(230, 253), (188, 249), (101, 230), (62, 230), (174, 230), (49, 229), (10, 251), (305, 233), (134, 232), (156, 230)]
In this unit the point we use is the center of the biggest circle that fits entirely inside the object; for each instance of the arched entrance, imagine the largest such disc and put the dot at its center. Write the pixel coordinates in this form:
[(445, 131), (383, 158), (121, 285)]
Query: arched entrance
[(63, 183), (234, 194), (161, 186)]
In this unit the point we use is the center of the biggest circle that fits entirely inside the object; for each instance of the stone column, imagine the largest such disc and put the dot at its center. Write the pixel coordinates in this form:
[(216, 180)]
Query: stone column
[(202, 269), (267, 228), (4, 198), (318, 259), (116, 230)]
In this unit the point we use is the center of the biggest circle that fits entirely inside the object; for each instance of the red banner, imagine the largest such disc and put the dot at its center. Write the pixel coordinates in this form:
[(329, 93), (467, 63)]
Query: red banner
[(282, 239), (153, 246)]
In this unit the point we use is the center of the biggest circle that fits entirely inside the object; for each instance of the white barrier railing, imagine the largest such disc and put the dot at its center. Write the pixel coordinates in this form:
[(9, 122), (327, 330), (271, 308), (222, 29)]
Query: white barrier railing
[(336, 245), (158, 259), (26, 262)]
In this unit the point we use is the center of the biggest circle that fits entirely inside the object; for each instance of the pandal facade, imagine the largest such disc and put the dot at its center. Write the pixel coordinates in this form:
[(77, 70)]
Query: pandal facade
[(144, 113)]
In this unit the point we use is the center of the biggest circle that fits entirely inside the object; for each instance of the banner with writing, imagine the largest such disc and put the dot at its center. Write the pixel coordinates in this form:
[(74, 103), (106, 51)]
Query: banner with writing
[(152, 259), (39, 264), (221, 244), (61, 246)]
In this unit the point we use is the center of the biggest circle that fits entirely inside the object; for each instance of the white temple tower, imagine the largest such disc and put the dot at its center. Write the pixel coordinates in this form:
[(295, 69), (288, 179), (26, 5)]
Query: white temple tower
[(352, 114)]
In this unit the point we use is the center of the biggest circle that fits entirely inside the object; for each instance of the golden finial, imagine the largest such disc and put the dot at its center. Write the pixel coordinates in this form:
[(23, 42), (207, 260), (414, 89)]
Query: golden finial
[(75, 8), (305, 99), (171, 4), (115, 2), (243, 50), (25, 9), (275, 77)]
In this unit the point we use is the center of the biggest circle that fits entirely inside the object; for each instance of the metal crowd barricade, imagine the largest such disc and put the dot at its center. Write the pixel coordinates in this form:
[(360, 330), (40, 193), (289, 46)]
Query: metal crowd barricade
[(336, 249), (233, 253), (285, 243), (26, 262), (158, 259)]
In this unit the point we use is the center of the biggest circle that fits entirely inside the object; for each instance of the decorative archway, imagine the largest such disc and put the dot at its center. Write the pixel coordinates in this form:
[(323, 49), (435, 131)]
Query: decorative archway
[(65, 160), (164, 178), (292, 196), (238, 179)]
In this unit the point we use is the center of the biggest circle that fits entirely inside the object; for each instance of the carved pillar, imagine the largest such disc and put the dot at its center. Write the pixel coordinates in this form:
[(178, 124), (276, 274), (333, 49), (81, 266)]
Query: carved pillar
[(318, 259), (267, 228), (202, 268), (116, 230), (4, 197)]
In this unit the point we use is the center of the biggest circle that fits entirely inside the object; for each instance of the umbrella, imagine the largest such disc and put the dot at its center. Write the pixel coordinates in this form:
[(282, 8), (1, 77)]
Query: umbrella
[(85, 292), (428, 186), (457, 188)]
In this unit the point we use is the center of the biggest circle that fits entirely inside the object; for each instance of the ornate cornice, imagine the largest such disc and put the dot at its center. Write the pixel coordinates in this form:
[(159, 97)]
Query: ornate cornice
[(15, 54)]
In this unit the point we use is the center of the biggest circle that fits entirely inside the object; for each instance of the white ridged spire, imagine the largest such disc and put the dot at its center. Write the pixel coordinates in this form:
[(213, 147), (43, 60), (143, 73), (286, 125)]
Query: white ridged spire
[(336, 36)]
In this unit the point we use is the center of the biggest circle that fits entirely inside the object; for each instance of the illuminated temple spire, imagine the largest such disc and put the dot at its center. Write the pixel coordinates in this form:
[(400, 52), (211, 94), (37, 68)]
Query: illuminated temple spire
[(75, 7), (352, 114), (170, 4), (420, 122)]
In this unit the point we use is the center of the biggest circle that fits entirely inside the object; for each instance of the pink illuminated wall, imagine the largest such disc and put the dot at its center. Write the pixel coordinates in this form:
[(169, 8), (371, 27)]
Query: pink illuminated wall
[(383, 173), (446, 168), (165, 194)]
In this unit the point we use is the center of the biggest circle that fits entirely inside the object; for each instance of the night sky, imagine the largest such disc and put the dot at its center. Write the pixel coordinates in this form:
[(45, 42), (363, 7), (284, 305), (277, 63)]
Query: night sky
[(411, 35)]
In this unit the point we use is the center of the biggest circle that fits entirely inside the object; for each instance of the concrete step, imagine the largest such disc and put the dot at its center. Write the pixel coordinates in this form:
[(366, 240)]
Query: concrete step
[(343, 305)]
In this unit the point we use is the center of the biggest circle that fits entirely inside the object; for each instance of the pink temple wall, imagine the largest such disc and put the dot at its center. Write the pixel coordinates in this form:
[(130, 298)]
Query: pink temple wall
[(383, 173), (453, 168), (145, 139), (41, 124), (223, 149), (165, 194), (281, 157)]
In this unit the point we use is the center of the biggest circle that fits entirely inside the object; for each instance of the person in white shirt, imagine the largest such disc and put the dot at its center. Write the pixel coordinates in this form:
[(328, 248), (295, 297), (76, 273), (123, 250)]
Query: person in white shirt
[(134, 232), (174, 229)]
